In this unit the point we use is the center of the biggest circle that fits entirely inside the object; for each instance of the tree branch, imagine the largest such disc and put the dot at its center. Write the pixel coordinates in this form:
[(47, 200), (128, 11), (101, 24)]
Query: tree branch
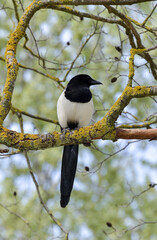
[(97, 2), (16, 110), (103, 129), (150, 134), (41, 198), (128, 23)]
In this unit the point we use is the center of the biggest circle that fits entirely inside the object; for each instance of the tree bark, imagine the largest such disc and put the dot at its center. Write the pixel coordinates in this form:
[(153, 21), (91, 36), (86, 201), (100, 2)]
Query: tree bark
[(150, 134)]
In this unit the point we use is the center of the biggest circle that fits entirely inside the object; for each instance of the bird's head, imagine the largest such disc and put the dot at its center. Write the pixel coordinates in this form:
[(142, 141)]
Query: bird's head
[(82, 80)]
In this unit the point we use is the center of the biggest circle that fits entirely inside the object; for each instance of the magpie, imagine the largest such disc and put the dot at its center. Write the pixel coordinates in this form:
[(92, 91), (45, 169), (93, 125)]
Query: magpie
[(74, 110)]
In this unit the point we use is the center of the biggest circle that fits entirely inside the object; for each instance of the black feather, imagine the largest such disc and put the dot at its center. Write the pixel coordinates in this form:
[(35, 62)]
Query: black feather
[(69, 165)]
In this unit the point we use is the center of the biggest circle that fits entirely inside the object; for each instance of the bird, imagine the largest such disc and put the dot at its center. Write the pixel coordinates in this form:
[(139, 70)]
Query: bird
[(74, 110)]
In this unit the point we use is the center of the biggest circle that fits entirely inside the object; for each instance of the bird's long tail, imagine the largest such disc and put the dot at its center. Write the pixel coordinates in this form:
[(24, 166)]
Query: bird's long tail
[(69, 164)]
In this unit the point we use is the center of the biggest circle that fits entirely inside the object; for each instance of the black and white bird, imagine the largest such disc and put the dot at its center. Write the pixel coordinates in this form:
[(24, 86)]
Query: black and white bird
[(74, 110)]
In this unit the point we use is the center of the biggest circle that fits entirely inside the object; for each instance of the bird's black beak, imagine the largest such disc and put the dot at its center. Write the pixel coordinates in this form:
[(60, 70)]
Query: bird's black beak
[(95, 82)]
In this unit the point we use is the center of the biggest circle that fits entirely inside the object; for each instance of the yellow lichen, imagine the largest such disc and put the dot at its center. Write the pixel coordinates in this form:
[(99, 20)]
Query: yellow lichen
[(137, 23), (133, 51)]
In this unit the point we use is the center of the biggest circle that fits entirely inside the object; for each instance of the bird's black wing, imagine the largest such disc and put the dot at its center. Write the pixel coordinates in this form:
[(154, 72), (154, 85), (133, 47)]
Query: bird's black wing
[(69, 164)]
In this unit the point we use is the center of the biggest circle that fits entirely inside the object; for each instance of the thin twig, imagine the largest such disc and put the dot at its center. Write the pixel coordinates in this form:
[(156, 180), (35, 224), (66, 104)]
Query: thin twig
[(40, 197), (17, 215), (16, 110)]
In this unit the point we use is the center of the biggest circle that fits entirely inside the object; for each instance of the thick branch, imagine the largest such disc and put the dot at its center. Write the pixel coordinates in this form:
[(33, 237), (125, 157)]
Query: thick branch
[(87, 15), (97, 2), (150, 134), (103, 129), (10, 55), (87, 134), (12, 65), (36, 141)]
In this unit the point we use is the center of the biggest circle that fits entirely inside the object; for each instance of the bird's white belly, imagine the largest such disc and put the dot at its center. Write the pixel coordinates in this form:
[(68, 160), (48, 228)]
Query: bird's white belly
[(68, 111)]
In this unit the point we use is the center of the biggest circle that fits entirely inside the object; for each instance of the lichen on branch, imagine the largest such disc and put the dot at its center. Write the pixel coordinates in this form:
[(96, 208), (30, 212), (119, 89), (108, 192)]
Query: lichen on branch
[(103, 129)]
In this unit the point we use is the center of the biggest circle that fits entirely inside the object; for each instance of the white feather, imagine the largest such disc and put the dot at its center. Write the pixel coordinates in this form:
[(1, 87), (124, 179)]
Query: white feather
[(72, 111)]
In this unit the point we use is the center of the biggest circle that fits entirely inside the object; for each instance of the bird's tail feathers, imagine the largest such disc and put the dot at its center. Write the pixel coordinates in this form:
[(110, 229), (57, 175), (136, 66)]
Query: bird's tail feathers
[(69, 165)]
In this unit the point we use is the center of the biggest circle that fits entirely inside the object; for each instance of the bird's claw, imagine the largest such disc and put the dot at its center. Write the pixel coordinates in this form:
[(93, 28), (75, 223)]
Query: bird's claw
[(65, 130)]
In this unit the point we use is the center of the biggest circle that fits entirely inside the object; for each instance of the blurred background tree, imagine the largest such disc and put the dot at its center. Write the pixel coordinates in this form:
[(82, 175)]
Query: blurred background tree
[(114, 194)]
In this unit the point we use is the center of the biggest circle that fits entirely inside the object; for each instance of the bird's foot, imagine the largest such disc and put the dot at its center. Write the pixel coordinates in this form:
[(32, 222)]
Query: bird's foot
[(76, 128), (87, 144), (65, 130)]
